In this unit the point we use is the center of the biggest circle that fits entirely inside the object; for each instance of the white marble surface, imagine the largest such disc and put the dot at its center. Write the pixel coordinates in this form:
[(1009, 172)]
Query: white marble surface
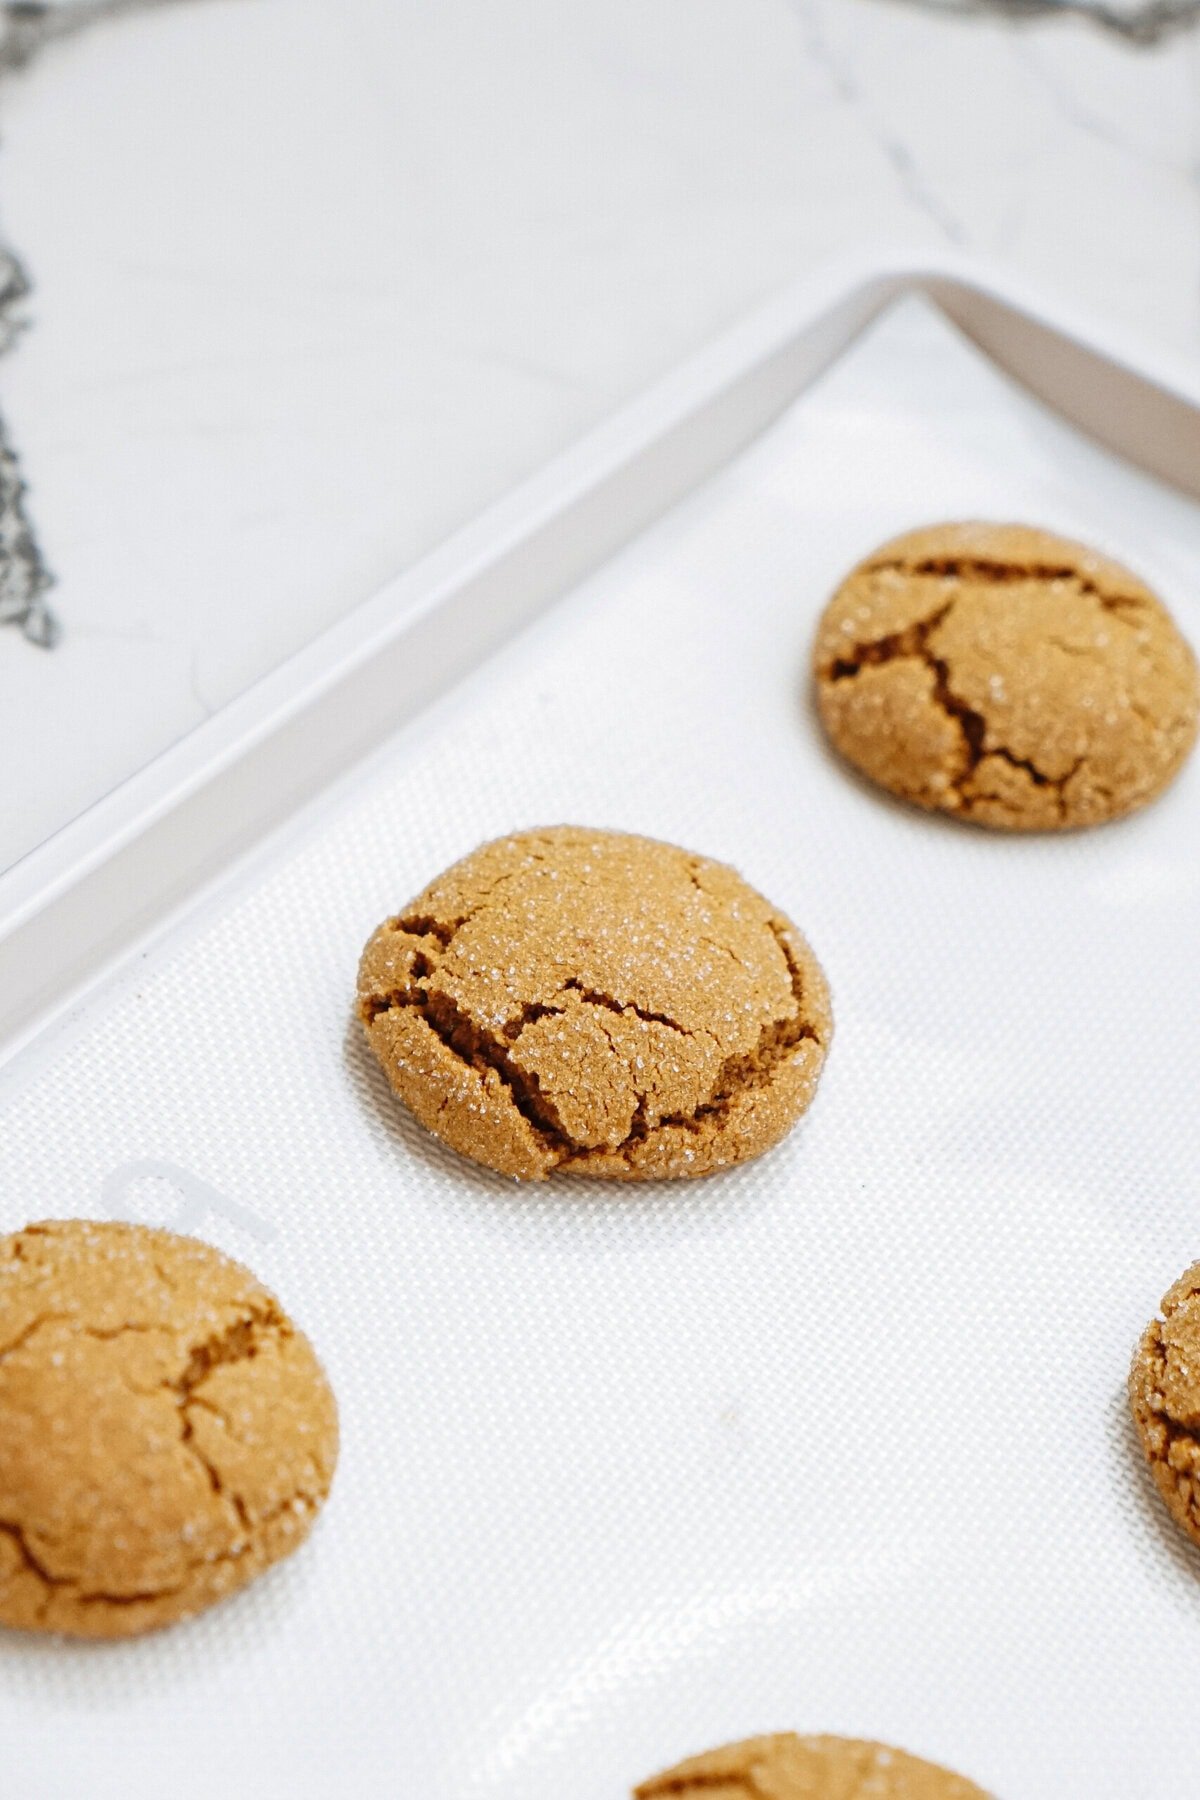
[(315, 282)]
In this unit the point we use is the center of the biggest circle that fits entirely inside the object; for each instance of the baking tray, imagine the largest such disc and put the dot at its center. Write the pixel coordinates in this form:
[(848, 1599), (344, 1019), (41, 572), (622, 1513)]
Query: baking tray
[(836, 1441)]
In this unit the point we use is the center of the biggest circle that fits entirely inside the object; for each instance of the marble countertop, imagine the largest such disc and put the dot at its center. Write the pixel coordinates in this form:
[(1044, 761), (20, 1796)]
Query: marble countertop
[(311, 284)]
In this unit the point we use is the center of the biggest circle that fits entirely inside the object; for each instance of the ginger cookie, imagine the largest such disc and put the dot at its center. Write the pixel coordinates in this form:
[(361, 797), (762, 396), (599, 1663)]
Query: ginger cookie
[(165, 1431), (598, 1003), (1164, 1391), (1006, 676), (787, 1767)]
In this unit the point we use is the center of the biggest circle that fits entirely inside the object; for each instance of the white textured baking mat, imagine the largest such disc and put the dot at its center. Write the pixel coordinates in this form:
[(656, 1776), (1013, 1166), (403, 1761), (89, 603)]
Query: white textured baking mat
[(837, 1441)]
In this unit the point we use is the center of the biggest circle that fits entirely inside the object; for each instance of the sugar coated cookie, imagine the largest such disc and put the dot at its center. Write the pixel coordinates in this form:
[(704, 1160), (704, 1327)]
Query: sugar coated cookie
[(604, 1004), (165, 1431), (1005, 676), (787, 1767), (1164, 1390)]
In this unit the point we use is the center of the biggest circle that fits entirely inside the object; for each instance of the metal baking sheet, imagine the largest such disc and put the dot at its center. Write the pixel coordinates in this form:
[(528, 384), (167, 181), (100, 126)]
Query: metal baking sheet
[(834, 1442)]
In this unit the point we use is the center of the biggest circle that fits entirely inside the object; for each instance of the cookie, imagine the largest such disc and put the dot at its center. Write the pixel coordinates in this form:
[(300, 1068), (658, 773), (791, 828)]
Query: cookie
[(1164, 1391), (165, 1431), (787, 1767), (1005, 676), (598, 1003)]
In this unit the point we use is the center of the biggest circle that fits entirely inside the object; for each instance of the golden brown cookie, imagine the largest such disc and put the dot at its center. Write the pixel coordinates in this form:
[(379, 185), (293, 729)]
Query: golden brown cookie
[(604, 1004), (787, 1767), (165, 1431), (1006, 676), (1164, 1391)]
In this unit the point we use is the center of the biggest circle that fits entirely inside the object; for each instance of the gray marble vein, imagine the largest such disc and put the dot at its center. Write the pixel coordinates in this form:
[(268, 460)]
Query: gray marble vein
[(26, 27), (1144, 24), (842, 79)]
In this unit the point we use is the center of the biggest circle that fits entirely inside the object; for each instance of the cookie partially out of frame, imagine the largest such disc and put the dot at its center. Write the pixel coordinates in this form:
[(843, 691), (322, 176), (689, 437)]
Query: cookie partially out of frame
[(1164, 1391), (165, 1431), (1005, 676), (598, 1003), (787, 1767)]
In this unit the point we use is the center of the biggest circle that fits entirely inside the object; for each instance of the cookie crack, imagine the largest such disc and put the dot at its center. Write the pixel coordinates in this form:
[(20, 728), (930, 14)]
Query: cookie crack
[(1174, 1433), (529, 1015), (716, 944), (1178, 1433), (52, 1583), (1056, 784), (444, 931), (210, 1406), (93, 1598), (479, 1050), (1083, 652), (424, 925), (103, 1335), (19, 1538), (391, 1000), (913, 644), (106, 1336), (168, 1282), (695, 1784), (1000, 571), (31, 1330), (80, 1596), (419, 996), (215, 1479), (1052, 784), (1175, 1428), (777, 1041), (1144, 714), (624, 1007), (239, 1342)]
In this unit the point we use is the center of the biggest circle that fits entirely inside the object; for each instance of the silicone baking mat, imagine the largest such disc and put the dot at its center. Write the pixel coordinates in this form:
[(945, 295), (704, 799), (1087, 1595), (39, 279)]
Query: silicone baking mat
[(836, 1441)]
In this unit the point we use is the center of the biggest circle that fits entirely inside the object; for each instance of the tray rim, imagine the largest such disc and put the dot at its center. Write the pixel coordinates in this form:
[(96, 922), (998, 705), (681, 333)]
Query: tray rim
[(115, 876)]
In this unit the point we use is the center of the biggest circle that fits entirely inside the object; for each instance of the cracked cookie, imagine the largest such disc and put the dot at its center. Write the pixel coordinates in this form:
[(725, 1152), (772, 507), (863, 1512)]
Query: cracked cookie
[(598, 1003), (165, 1431), (787, 1767), (1164, 1391), (1006, 676)]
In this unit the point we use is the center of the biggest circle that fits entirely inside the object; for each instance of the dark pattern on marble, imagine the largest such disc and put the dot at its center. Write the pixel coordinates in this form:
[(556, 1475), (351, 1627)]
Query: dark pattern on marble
[(26, 27), (1145, 24)]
